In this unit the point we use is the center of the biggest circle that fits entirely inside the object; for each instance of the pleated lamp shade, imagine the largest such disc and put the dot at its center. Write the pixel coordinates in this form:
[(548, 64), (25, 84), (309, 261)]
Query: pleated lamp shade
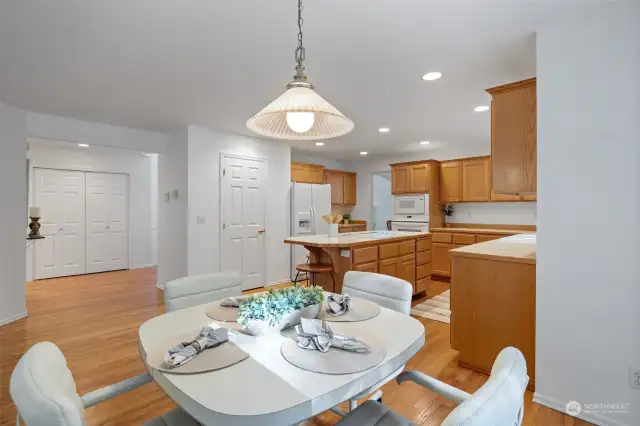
[(328, 122)]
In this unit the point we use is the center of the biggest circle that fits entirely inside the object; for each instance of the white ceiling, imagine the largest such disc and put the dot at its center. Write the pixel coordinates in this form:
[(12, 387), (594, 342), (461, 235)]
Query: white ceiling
[(158, 64)]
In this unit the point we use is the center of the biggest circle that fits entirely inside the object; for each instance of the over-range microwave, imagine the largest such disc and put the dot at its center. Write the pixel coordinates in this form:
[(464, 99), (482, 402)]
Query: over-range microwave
[(411, 205)]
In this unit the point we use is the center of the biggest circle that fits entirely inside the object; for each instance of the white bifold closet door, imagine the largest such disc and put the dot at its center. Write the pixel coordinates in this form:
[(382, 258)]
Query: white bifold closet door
[(107, 222), (61, 197)]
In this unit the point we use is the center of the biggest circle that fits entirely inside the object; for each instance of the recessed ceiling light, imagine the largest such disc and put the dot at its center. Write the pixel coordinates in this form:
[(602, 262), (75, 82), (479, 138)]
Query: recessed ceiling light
[(384, 130), (481, 108), (363, 152), (430, 76), (83, 145), (424, 143), (319, 143)]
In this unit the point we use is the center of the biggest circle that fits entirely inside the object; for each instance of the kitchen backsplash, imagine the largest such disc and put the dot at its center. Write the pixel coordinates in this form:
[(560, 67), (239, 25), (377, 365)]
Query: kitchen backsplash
[(341, 209), (520, 213)]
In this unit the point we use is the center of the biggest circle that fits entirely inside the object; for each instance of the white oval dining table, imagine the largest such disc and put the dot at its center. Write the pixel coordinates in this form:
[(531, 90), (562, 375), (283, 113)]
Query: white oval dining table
[(265, 389)]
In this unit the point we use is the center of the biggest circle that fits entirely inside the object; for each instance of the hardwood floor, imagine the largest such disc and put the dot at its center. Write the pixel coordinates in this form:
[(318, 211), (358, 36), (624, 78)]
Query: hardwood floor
[(94, 319)]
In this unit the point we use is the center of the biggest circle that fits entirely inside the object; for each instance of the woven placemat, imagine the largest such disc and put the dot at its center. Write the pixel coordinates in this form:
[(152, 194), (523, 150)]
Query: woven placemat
[(335, 361), (359, 310), (222, 313), (223, 356)]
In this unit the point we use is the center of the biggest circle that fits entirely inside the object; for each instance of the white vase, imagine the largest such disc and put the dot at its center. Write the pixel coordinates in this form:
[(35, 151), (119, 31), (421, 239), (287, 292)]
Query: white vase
[(333, 229), (262, 328)]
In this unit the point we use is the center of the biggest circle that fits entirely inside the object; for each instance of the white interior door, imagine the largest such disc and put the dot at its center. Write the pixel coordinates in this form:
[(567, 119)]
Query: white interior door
[(61, 197), (243, 218), (107, 222)]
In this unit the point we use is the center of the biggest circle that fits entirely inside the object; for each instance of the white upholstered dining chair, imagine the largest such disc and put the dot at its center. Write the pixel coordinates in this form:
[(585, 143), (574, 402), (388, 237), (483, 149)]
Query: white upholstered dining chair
[(392, 293), (44, 392), (499, 402), (198, 289)]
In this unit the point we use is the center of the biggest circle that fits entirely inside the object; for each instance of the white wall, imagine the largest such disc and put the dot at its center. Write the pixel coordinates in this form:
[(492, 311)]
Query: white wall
[(172, 214), (205, 148), (587, 327), (506, 213), (97, 159), (329, 163), (13, 213), (153, 202), (72, 130)]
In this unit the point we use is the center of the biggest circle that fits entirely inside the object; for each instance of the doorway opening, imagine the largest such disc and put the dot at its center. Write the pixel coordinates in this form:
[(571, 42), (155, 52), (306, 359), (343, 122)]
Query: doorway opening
[(382, 200)]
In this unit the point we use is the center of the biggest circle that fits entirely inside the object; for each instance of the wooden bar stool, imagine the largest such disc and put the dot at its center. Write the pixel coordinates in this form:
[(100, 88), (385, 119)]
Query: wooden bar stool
[(312, 269)]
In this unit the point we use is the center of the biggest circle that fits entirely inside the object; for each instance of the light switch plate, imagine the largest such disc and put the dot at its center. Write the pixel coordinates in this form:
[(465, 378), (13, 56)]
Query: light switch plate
[(345, 253), (201, 219)]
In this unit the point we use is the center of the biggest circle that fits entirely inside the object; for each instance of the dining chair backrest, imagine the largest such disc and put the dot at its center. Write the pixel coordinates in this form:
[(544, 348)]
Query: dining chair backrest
[(43, 389), (387, 291), (500, 401), (198, 289)]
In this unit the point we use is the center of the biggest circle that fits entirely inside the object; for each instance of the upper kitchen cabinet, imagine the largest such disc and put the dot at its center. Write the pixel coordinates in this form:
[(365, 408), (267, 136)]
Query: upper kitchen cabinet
[(343, 186), (419, 178), (307, 173), (399, 179), (451, 181), (514, 138), (476, 182), (413, 178)]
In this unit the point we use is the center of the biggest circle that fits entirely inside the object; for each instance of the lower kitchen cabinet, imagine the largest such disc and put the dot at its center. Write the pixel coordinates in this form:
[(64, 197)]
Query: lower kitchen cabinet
[(441, 259), (367, 267), (388, 267), (407, 268)]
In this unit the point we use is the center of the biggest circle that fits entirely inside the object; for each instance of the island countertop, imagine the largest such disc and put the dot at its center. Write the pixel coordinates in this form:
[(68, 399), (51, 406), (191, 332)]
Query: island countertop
[(483, 231), (517, 248), (354, 239)]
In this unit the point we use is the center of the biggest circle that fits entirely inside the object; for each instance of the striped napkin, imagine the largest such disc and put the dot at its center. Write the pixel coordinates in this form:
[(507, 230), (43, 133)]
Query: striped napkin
[(233, 302), (184, 352), (315, 334)]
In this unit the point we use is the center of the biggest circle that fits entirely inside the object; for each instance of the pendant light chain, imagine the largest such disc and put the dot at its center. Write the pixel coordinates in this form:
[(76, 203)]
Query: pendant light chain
[(300, 52)]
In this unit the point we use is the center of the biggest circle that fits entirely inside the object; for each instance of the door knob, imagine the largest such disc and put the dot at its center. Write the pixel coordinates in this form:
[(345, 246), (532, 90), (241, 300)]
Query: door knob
[(107, 226), (261, 231)]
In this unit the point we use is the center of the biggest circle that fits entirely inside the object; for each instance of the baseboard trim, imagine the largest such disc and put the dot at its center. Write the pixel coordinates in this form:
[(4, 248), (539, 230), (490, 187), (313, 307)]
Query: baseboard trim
[(13, 318), (596, 419), (287, 280), (143, 266)]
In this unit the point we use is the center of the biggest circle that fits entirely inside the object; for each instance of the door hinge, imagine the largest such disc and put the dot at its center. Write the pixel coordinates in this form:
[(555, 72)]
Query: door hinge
[(224, 226), (224, 172)]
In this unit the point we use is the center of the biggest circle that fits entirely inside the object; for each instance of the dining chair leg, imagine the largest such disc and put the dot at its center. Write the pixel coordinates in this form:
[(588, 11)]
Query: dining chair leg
[(295, 280), (333, 280), (353, 404)]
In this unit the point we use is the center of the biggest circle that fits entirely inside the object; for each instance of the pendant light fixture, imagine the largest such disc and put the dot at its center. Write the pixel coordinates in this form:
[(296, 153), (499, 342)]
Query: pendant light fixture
[(300, 113)]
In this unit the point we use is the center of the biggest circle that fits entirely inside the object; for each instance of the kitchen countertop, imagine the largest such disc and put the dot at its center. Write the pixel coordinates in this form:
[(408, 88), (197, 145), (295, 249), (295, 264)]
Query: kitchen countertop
[(483, 231), (519, 248), (351, 239)]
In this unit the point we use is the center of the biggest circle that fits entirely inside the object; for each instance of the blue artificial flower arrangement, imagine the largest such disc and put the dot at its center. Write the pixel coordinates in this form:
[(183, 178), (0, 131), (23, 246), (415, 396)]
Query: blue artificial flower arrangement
[(273, 305)]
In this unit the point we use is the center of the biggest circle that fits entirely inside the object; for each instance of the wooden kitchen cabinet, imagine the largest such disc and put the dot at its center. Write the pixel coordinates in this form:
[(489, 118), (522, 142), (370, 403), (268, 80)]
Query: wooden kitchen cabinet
[(419, 178), (349, 189), (343, 186), (451, 181), (514, 138), (307, 173), (407, 268), (399, 179), (441, 259), (476, 180), (504, 197), (389, 267), (367, 267)]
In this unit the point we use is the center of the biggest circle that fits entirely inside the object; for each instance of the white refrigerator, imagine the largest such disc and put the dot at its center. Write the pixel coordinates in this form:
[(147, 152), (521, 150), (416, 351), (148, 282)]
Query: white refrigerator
[(309, 202)]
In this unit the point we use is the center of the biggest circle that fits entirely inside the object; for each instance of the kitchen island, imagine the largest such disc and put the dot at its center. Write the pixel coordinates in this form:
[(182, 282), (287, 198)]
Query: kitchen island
[(493, 301), (405, 255)]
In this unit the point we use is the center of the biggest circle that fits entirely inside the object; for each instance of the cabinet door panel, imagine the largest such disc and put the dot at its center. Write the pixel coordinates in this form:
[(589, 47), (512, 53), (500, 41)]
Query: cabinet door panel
[(451, 182), (504, 197), (423, 244), (389, 250), (407, 247), (365, 254), (481, 238), (441, 237), (422, 285), (407, 268), (476, 180), (367, 267), (419, 178), (441, 259), (399, 179), (349, 191), (335, 179), (316, 174), (424, 271), (388, 267), (423, 257)]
